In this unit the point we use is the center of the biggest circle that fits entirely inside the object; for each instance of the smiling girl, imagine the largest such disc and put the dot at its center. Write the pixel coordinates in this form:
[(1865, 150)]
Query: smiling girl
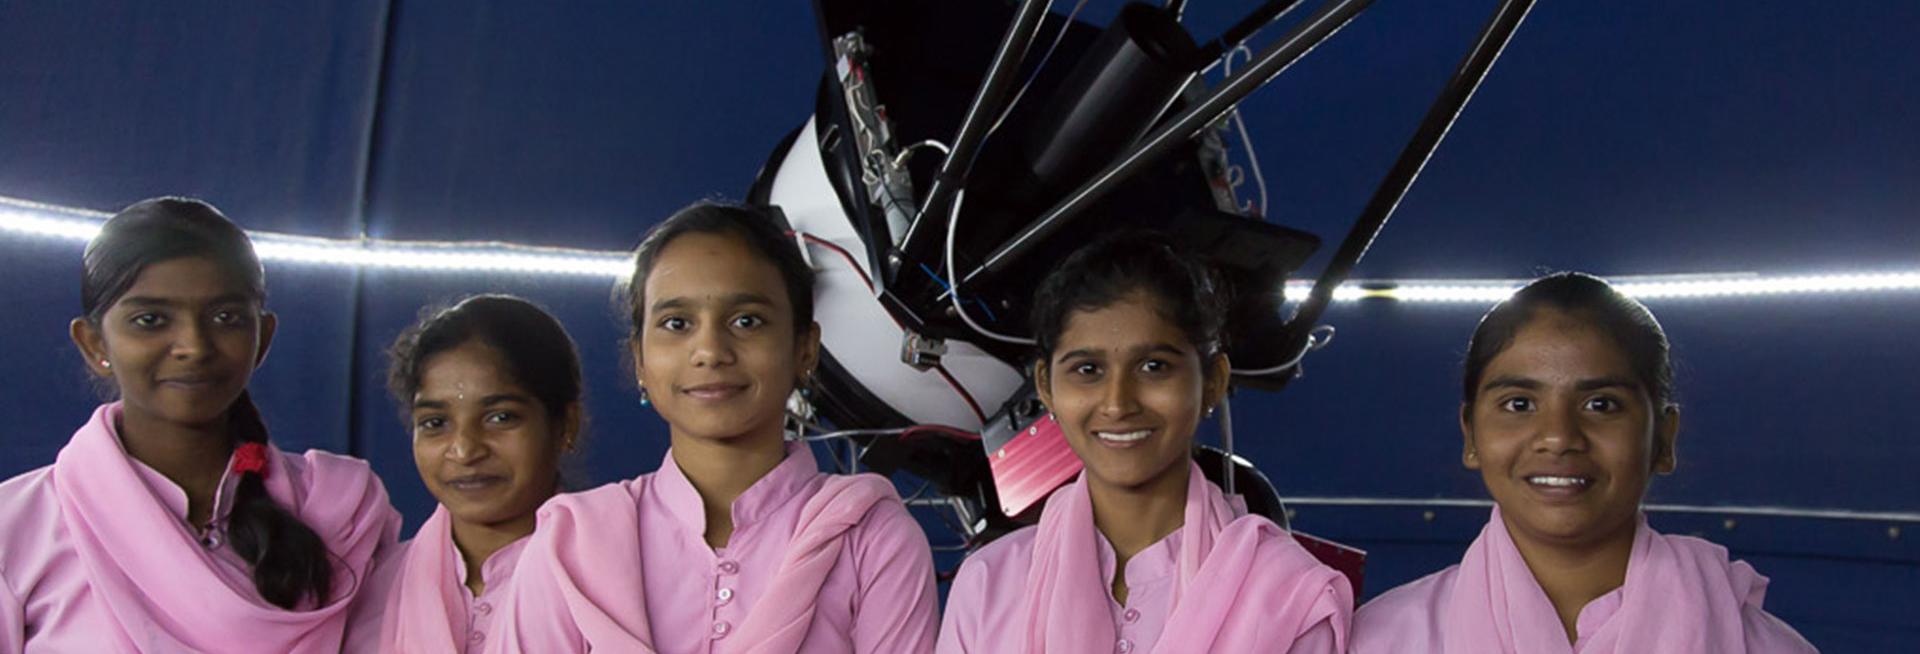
[(1567, 412), (738, 543), (1141, 553), (169, 523), (491, 389)]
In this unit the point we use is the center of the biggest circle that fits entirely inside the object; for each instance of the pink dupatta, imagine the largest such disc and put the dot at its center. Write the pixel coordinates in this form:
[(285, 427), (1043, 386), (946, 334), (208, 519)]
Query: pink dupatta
[(1257, 577), (427, 602), (1681, 595), (161, 586), (585, 558)]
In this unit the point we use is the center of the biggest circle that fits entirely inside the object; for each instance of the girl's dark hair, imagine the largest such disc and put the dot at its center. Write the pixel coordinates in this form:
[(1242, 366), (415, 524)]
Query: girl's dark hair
[(1094, 277), (539, 355), (755, 226), (289, 561), (1591, 299), (163, 229)]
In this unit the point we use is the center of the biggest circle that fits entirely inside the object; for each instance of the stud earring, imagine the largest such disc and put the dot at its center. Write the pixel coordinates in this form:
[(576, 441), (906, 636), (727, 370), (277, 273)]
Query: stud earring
[(1209, 412), (106, 364)]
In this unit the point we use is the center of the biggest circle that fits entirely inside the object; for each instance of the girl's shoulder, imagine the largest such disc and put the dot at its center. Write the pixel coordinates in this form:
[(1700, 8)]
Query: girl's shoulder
[(1409, 613), (29, 513), (26, 496)]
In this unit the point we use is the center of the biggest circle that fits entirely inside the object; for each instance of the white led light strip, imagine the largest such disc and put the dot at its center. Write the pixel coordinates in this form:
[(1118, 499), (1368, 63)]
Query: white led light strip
[(1644, 287), (66, 223)]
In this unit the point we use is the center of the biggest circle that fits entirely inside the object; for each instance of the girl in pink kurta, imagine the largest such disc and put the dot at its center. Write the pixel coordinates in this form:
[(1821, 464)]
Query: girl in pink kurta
[(1567, 414), (491, 388), (1141, 553), (737, 543), (168, 523)]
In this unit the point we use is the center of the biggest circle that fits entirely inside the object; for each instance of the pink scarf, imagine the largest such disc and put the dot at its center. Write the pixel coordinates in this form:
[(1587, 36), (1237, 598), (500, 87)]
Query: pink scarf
[(1681, 595), (596, 567), (1255, 575), (162, 587), (428, 599)]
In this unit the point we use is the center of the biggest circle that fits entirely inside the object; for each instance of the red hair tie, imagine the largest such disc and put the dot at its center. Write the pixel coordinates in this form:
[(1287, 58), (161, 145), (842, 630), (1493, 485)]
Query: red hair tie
[(250, 457)]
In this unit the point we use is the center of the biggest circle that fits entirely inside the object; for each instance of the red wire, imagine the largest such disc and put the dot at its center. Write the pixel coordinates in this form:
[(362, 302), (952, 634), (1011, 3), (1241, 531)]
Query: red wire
[(955, 432), (855, 265), (851, 263), (977, 413)]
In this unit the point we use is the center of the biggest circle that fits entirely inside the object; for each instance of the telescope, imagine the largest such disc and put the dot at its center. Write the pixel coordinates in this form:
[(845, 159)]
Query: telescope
[(943, 172)]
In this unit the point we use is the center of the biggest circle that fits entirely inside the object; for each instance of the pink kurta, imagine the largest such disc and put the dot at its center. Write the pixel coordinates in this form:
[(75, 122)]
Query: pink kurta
[(802, 572), (1283, 600), (96, 554), (1681, 595), (427, 607)]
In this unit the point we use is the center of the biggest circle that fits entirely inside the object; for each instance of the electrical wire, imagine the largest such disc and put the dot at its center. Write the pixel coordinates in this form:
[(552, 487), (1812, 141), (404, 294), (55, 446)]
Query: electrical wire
[(1240, 124), (849, 433), (1315, 341), (953, 291), (873, 156), (844, 254), (924, 485), (901, 159), (952, 382), (901, 432), (948, 514), (962, 390), (951, 432), (856, 452), (1226, 444)]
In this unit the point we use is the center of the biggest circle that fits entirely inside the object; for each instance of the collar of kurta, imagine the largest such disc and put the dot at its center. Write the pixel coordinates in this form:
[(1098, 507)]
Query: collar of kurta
[(174, 498), (1148, 566), (498, 566), (779, 486)]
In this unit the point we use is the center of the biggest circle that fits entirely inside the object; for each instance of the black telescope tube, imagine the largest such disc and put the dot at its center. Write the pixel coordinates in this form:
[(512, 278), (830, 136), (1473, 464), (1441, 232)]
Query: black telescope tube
[(986, 107), (1111, 99), (1268, 64)]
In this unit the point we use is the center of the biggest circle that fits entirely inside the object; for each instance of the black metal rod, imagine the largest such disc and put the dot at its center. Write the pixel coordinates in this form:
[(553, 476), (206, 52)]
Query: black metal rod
[(1268, 64), (1267, 12), (1001, 75), (1433, 128)]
